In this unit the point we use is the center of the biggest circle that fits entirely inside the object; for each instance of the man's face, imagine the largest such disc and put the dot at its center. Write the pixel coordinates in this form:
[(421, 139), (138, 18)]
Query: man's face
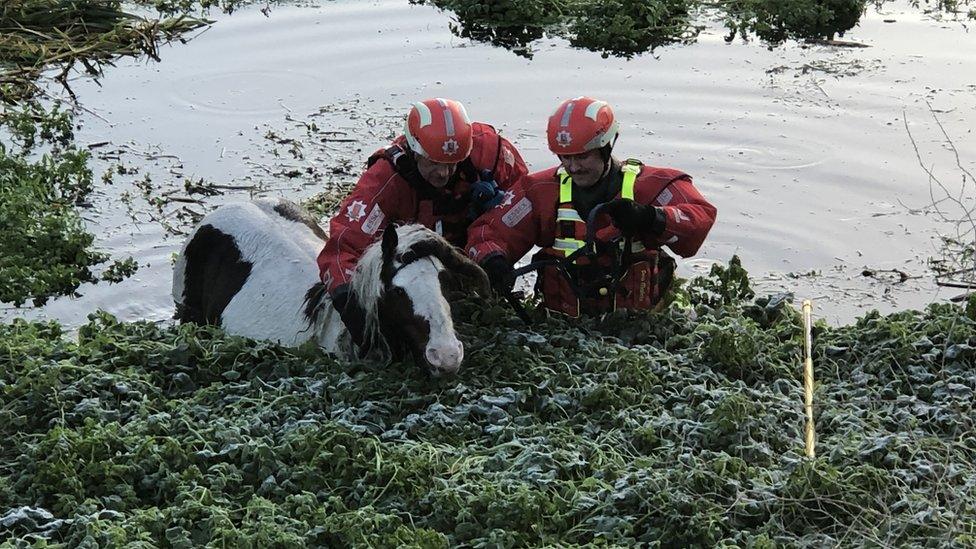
[(435, 173), (586, 169)]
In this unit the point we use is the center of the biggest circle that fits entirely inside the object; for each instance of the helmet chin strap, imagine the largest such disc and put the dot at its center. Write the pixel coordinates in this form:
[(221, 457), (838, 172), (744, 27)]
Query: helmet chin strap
[(607, 153)]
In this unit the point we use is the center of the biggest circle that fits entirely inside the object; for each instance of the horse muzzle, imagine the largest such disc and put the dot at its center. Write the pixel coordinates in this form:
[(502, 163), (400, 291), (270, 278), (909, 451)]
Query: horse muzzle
[(444, 357)]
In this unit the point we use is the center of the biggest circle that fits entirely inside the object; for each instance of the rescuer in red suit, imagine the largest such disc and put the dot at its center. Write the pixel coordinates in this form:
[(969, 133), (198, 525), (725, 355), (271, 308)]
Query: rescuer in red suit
[(652, 206), (443, 172)]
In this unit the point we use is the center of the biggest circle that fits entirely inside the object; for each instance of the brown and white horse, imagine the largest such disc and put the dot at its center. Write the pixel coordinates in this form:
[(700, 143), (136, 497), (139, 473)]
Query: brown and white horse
[(251, 268)]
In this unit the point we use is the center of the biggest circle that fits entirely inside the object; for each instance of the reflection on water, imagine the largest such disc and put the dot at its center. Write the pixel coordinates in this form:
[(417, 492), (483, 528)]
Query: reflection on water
[(629, 28), (803, 149)]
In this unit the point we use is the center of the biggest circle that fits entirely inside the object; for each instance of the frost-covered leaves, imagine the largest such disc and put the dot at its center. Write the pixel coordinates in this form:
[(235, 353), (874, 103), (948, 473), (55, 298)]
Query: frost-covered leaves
[(681, 428)]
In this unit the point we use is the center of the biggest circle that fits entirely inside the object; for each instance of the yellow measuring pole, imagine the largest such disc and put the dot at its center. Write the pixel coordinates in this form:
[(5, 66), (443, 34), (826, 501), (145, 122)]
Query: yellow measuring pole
[(808, 377)]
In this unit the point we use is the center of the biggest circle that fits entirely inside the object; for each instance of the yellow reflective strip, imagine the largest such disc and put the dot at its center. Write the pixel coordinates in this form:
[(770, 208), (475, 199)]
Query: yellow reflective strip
[(630, 176), (568, 245), (568, 214), (565, 189), (564, 243)]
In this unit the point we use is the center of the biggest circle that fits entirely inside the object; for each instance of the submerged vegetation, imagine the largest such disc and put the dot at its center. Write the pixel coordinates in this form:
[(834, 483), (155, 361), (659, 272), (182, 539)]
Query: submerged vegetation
[(645, 429)]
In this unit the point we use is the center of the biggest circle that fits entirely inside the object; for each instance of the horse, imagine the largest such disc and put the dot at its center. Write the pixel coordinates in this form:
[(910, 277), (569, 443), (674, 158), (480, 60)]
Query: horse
[(251, 268)]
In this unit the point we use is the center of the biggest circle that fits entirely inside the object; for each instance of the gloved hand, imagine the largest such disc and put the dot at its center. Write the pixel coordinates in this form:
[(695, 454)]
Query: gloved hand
[(484, 194), (500, 274), (633, 218), (352, 315)]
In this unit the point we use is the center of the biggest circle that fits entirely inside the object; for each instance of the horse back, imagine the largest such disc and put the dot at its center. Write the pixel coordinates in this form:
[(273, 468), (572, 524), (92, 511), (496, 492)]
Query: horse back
[(213, 273), (244, 260)]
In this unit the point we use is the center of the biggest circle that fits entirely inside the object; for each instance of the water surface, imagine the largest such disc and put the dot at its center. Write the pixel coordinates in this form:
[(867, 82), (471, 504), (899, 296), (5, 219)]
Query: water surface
[(803, 149)]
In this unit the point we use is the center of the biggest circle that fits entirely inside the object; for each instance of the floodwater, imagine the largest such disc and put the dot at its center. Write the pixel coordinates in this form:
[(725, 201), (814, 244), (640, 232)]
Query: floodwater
[(805, 151)]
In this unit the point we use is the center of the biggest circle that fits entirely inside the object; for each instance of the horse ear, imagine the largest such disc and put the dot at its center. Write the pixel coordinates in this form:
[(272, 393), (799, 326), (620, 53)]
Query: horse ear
[(390, 242)]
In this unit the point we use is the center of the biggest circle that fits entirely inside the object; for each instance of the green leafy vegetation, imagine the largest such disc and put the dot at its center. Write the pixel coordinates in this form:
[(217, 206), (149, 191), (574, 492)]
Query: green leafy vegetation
[(776, 21), (634, 429), (618, 27), (44, 247)]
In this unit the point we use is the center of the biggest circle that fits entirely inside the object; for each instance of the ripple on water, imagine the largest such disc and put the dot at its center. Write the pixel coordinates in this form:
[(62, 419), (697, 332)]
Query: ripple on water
[(781, 154), (245, 94)]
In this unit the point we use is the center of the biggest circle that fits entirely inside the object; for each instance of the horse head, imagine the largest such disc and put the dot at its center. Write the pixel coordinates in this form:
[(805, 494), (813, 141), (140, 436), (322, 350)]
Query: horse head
[(402, 286)]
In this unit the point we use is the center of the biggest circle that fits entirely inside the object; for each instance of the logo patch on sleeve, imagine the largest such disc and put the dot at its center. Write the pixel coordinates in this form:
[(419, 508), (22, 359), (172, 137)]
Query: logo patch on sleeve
[(508, 156), (374, 220), (356, 210), (507, 198), (518, 212), (665, 197)]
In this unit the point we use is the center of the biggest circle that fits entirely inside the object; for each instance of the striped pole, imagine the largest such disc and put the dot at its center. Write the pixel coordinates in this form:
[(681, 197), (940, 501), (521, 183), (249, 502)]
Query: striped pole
[(808, 377)]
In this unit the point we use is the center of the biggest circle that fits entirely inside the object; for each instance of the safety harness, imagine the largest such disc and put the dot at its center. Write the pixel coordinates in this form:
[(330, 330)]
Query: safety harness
[(620, 272), (570, 225)]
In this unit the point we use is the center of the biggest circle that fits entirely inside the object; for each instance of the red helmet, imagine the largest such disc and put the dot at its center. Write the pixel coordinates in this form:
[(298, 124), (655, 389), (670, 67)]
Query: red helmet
[(439, 130), (581, 125)]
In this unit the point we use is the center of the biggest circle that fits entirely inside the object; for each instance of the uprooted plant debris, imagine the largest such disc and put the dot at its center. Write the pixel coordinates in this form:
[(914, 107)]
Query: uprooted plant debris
[(676, 428), (38, 34)]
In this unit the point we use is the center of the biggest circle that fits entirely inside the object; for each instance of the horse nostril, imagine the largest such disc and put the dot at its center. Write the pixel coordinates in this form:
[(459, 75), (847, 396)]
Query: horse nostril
[(433, 357)]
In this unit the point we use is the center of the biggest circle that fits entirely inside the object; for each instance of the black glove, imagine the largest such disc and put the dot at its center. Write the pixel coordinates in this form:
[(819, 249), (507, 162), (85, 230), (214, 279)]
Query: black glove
[(485, 195), (633, 218), (352, 315), (500, 274)]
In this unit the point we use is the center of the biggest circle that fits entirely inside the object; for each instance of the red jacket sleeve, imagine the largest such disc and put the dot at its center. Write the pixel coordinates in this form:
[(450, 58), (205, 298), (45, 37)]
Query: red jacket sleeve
[(689, 218), (377, 200), (510, 167), (495, 153), (512, 227)]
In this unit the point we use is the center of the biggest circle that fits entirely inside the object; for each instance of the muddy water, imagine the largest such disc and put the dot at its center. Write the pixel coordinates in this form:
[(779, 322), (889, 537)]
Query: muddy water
[(804, 150)]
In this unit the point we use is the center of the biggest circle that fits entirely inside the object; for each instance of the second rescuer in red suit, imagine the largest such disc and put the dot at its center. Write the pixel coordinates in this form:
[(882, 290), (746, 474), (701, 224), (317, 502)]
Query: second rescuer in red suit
[(655, 206)]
